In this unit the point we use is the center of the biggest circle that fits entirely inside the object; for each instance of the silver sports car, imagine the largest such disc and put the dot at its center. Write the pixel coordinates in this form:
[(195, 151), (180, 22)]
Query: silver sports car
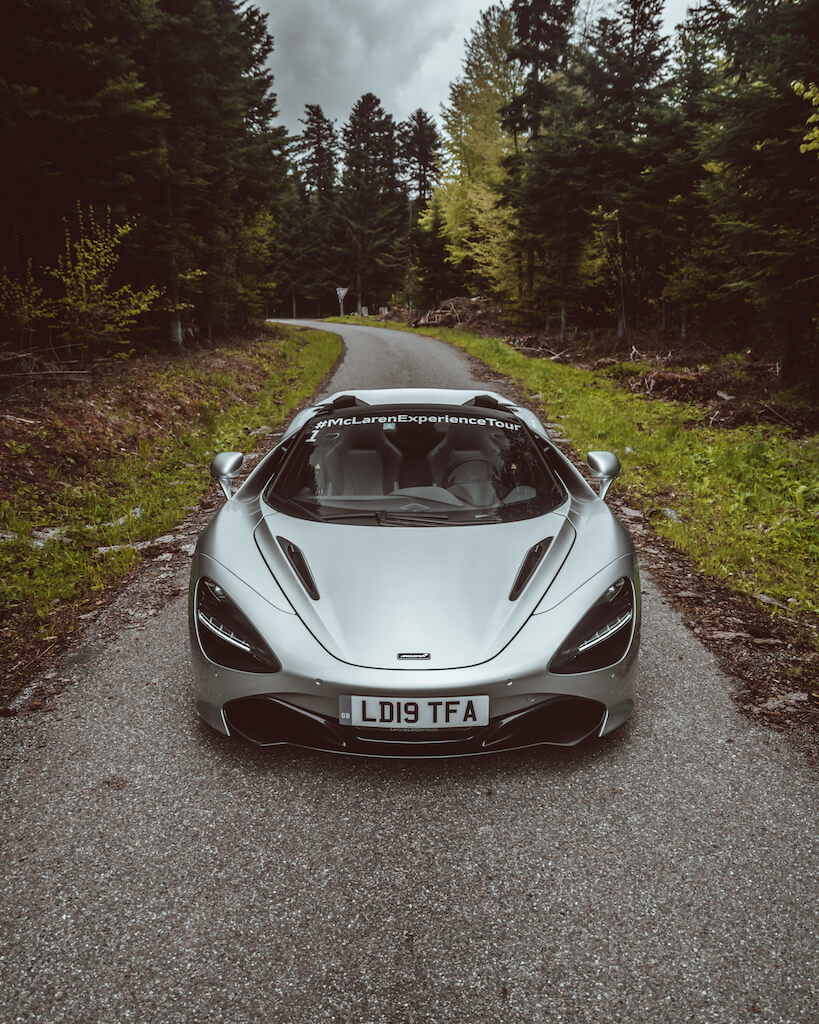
[(415, 573)]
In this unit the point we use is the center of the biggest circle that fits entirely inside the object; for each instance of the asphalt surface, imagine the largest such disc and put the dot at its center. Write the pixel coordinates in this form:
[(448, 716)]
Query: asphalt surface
[(155, 871)]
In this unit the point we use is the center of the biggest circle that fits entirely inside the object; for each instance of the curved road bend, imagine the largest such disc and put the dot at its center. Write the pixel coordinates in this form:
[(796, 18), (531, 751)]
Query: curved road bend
[(157, 872)]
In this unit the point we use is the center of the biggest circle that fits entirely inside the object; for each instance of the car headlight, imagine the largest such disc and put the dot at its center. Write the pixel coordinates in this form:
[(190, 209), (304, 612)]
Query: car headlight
[(602, 636), (226, 635)]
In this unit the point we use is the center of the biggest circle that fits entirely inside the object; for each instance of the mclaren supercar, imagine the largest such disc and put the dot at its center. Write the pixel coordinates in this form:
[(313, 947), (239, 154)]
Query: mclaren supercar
[(415, 573)]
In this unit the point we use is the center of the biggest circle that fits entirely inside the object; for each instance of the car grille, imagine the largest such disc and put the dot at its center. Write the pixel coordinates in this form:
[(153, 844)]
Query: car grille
[(556, 720)]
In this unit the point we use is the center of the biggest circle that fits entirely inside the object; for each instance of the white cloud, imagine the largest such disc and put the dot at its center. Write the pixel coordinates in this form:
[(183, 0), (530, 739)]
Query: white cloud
[(331, 52)]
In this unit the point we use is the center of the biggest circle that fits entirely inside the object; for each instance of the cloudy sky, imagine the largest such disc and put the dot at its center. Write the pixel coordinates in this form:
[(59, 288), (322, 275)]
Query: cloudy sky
[(331, 52)]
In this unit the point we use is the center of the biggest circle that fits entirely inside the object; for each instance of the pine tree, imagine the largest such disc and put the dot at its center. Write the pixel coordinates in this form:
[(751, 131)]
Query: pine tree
[(317, 150), (762, 187), (421, 155), (622, 71), (372, 202), (436, 276), (541, 48), (77, 121), (221, 153)]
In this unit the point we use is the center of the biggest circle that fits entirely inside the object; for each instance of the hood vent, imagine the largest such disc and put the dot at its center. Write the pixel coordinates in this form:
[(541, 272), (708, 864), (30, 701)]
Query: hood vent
[(299, 565), (530, 563)]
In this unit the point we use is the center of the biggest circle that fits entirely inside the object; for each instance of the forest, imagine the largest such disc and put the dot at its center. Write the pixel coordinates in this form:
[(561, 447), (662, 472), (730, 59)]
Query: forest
[(589, 173)]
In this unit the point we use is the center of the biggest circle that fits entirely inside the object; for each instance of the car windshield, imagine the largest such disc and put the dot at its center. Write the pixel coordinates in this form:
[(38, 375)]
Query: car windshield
[(418, 466)]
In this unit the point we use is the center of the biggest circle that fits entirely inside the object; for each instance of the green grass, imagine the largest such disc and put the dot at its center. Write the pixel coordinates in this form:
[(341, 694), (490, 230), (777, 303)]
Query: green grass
[(747, 498), (165, 474)]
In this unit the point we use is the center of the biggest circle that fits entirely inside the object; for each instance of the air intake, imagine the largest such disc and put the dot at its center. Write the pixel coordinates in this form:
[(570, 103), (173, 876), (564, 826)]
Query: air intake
[(530, 563), (299, 565)]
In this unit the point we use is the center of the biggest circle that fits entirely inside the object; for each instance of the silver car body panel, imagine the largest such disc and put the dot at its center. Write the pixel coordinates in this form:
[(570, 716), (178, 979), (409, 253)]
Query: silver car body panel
[(436, 591)]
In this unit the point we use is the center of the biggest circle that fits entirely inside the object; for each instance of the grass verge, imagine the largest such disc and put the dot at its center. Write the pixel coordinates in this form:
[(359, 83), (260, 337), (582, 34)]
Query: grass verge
[(121, 462), (741, 503)]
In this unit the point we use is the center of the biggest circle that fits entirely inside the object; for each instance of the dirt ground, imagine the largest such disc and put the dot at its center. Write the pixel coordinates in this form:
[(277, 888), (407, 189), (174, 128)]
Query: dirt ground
[(733, 388)]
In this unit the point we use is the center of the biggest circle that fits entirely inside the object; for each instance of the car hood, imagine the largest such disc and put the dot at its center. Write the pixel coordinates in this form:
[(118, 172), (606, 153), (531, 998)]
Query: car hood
[(439, 593)]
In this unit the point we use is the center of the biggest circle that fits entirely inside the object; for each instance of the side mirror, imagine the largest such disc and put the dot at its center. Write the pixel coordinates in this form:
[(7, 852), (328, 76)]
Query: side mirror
[(225, 467), (605, 468)]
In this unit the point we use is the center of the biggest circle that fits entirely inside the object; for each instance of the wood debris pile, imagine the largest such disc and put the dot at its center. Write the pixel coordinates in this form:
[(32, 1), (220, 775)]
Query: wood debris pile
[(473, 314)]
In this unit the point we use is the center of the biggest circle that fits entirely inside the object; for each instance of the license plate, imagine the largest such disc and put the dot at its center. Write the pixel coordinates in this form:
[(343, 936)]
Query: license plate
[(413, 713)]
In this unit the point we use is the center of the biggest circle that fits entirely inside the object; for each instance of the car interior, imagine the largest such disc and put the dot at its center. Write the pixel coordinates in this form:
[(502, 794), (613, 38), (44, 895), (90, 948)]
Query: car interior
[(368, 461)]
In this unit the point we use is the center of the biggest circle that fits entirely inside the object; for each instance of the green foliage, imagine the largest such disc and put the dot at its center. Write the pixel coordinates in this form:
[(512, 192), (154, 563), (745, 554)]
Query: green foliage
[(92, 314), (23, 305), (162, 111), (420, 146), (650, 185), (811, 94), (164, 478), (761, 190), (372, 202), (479, 231)]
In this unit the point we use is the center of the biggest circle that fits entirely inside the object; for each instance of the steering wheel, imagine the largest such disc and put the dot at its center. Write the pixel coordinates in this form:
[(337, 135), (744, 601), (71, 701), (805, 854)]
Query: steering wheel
[(462, 462)]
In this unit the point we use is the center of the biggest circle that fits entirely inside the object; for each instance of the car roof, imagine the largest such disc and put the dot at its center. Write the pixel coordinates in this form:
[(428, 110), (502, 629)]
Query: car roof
[(416, 396)]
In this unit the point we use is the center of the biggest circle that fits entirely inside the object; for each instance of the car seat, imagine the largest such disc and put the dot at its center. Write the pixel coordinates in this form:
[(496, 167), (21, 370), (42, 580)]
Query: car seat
[(362, 462)]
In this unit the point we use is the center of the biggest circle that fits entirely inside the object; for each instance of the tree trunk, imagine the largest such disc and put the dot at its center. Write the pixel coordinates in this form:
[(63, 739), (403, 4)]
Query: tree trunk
[(621, 323), (562, 321), (800, 358), (175, 330)]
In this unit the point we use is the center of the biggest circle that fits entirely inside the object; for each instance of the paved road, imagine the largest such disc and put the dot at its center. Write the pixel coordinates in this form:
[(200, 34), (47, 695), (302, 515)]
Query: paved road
[(157, 872)]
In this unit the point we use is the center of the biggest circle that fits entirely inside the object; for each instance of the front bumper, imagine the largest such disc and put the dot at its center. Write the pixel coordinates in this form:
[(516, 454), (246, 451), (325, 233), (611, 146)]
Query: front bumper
[(529, 706), (555, 720)]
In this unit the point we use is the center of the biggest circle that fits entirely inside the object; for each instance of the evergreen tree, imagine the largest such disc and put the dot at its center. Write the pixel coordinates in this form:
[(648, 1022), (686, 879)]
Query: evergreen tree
[(621, 70), (691, 266), (541, 48), (372, 202), (77, 122), (762, 187), (436, 276), (161, 111), (317, 150), (421, 155), (221, 153)]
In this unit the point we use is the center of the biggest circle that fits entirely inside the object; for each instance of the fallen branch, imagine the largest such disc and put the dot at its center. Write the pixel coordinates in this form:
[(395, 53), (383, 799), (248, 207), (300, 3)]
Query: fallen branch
[(779, 415)]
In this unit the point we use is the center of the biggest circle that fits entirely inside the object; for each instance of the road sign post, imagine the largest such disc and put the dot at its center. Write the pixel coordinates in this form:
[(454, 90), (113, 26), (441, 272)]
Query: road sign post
[(341, 292)]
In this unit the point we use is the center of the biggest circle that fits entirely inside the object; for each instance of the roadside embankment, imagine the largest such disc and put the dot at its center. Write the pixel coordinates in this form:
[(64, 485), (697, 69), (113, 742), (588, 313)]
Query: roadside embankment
[(95, 473)]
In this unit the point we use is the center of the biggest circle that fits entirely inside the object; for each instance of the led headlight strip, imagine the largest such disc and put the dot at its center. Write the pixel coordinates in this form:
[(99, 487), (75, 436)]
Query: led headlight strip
[(229, 638), (601, 637)]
